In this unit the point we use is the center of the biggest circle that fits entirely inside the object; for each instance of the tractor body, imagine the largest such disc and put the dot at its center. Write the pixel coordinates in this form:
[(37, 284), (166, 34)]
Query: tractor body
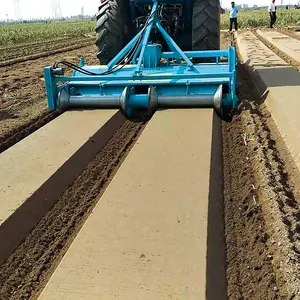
[(176, 14), (193, 24)]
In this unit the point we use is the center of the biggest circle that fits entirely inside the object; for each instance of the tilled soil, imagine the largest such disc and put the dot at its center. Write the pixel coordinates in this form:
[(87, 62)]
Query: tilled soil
[(23, 105), (261, 205), (261, 192), (27, 270), (13, 54), (23, 130)]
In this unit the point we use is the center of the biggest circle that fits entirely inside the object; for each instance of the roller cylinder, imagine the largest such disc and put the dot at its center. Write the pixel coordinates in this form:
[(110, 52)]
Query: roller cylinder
[(185, 101), (181, 101), (128, 101), (94, 101)]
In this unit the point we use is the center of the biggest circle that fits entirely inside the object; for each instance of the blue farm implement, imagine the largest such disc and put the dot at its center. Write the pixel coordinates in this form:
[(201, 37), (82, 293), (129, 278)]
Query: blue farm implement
[(144, 77)]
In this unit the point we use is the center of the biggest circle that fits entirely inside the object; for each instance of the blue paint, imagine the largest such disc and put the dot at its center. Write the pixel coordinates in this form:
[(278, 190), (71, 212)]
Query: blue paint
[(146, 37), (81, 61), (152, 56), (51, 88)]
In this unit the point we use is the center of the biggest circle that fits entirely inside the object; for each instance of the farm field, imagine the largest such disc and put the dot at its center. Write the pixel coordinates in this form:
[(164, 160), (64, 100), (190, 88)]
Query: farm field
[(36, 39), (18, 34), (40, 32), (21, 40), (113, 189)]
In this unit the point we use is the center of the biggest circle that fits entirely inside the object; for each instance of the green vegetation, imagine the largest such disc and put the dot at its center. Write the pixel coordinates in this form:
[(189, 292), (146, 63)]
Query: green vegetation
[(13, 34), (27, 33), (260, 18)]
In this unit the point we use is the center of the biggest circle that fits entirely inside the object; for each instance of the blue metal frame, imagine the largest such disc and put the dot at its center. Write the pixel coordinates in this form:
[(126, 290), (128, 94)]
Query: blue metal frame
[(146, 70)]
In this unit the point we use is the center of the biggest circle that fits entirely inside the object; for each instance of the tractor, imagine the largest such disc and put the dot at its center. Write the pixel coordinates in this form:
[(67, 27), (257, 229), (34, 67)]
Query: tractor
[(193, 24), (154, 54)]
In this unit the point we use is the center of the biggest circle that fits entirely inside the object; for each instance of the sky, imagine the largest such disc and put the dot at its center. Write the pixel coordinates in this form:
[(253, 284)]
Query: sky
[(42, 8)]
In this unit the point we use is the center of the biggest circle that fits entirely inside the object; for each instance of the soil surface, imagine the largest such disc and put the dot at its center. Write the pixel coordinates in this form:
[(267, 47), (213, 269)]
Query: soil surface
[(262, 208), (261, 190), (14, 53), (23, 105), (27, 270)]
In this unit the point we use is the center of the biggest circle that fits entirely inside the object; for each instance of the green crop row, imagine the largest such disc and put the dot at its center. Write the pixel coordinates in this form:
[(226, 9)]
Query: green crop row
[(261, 18), (32, 32)]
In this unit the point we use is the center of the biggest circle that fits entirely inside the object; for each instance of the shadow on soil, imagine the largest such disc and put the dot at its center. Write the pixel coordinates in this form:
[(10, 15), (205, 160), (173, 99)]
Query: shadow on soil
[(4, 115), (276, 77), (216, 286), (19, 225), (260, 83), (257, 87), (271, 75)]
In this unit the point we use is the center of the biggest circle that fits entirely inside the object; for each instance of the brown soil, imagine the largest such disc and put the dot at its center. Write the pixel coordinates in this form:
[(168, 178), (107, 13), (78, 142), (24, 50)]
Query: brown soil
[(19, 54), (23, 105), (27, 270), (20, 132), (262, 209), (249, 270), (15, 54)]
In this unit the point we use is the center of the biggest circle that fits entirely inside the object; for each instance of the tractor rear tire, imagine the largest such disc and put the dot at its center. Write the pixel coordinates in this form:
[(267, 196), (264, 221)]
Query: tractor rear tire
[(206, 25), (110, 35)]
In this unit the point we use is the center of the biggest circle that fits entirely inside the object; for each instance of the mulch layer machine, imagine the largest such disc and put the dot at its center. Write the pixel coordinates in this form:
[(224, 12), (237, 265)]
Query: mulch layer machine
[(143, 77)]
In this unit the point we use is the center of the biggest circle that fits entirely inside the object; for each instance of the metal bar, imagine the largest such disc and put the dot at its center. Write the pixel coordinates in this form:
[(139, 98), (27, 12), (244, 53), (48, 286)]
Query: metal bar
[(231, 59), (95, 101), (139, 48), (167, 37), (163, 82), (169, 43), (81, 61), (51, 87), (103, 79), (151, 101), (177, 101), (133, 61), (141, 101), (196, 54), (171, 46), (146, 36), (232, 63)]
